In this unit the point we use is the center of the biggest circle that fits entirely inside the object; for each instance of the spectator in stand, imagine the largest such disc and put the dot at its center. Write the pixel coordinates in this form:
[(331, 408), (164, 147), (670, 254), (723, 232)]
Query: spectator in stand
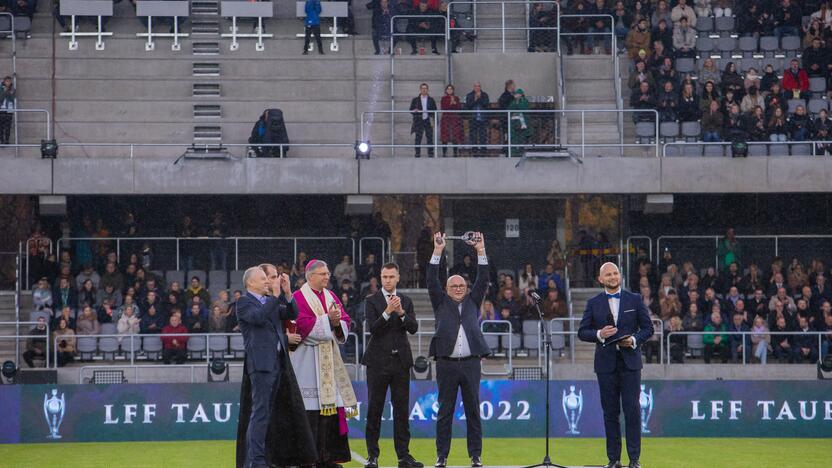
[(641, 74), (665, 73), (369, 269), (716, 342), (731, 277), (312, 25), (528, 279), (777, 127), (805, 344), (666, 103), (196, 290), (216, 322), (466, 269), (174, 347), (732, 81), (487, 311), (422, 107), (682, 10), (649, 301), (196, 319), (723, 8), (553, 305), (450, 128), (768, 79), (219, 251), (423, 24), (477, 102), (760, 340), (575, 26), (820, 290), (797, 277), (804, 311), (678, 342), (712, 123), (383, 12), (692, 321), (651, 346), (42, 295), (782, 344), (669, 306), (106, 312), (795, 80), (662, 12), (222, 301), (151, 299), (799, 124), (684, 39), (64, 337), (109, 294), (756, 124), (152, 321), (729, 250), (348, 288), (815, 58), (738, 341), (751, 100), (661, 34), (688, 107), (87, 273), (87, 323), (748, 23), (112, 277), (642, 98), (826, 339), (549, 274), (128, 304), (8, 102), (660, 52), (702, 8), (622, 22), (36, 343), (600, 26), (129, 324), (787, 19), (87, 295)]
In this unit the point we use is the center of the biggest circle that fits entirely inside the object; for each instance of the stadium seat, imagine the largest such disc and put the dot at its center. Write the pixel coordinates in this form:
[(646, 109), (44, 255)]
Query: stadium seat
[(769, 45), (726, 46), (152, 347), (704, 25), (492, 341), (695, 345), (790, 44), (817, 84), (108, 329), (816, 105), (757, 149), (235, 277), (159, 275), (237, 346), (684, 65), (176, 275), (749, 63), (714, 150), (558, 339), (86, 347), (793, 103), (108, 346), (218, 279), (748, 45), (199, 274), (704, 45), (645, 130), (196, 347), (724, 25), (692, 150), (130, 344), (22, 25), (775, 63), (217, 345), (691, 130), (669, 130), (672, 150), (531, 335), (5, 23), (803, 149)]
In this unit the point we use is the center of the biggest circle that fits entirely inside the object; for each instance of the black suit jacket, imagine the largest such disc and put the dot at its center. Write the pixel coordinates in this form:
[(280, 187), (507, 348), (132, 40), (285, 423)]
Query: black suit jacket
[(449, 319), (390, 334), (416, 104), (633, 319), (262, 328)]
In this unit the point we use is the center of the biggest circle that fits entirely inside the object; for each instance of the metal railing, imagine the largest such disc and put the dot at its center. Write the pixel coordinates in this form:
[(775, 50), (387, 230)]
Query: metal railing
[(746, 341), (628, 245), (509, 334), (553, 115), (18, 336), (574, 328), (503, 28), (357, 353), (136, 367), (817, 148), (180, 152)]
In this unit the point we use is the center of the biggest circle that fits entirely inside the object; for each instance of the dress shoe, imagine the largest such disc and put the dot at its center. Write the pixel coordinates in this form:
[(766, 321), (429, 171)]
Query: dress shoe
[(613, 464), (408, 461), (635, 464), (441, 462), (476, 462), (372, 462)]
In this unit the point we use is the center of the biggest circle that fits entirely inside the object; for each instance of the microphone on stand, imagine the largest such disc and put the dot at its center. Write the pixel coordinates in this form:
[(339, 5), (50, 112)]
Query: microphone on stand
[(535, 296)]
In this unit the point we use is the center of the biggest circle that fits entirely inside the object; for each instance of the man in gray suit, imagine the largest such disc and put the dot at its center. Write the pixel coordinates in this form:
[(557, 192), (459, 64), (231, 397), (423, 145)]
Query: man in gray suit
[(458, 346)]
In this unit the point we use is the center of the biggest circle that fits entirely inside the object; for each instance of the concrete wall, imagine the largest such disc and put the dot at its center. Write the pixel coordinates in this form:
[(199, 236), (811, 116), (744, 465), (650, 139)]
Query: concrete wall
[(31, 175), (535, 73)]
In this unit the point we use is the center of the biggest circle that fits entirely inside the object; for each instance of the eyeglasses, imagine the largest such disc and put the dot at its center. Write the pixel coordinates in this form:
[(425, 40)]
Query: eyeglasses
[(457, 286)]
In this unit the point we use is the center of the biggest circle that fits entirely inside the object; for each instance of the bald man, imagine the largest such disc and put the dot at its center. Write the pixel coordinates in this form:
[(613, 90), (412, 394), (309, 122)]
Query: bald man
[(611, 315), (458, 346)]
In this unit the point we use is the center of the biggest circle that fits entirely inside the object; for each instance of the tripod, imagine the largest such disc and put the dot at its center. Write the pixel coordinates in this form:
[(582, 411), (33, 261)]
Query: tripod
[(547, 343)]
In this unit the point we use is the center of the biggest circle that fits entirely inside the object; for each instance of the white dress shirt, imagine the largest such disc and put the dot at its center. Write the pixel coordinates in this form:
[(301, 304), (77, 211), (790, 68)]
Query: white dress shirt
[(461, 347), (424, 107), (615, 305)]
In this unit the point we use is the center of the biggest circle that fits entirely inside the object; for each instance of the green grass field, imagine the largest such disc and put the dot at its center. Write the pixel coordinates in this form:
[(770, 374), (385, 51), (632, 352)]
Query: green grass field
[(657, 453)]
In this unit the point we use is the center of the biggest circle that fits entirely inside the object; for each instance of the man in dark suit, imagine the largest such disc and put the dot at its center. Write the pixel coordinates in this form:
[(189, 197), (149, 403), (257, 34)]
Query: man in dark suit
[(610, 315), (261, 323), (458, 346), (388, 359), (422, 107)]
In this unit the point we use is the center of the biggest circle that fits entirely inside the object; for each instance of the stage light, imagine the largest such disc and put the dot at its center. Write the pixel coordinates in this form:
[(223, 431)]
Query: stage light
[(421, 369), (49, 149), (9, 371), (825, 368), (218, 367), (362, 149)]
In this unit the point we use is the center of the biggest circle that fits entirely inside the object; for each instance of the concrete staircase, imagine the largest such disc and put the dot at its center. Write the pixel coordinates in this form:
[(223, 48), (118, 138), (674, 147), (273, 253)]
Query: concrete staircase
[(584, 352), (206, 73), (7, 314), (489, 15), (589, 85)]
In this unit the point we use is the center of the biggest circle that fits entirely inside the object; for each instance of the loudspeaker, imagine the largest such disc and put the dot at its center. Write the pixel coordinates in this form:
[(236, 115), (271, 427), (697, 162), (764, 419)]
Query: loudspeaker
[(359, 205), (659, 203), (37, 376), (739, 149), (52, 205)]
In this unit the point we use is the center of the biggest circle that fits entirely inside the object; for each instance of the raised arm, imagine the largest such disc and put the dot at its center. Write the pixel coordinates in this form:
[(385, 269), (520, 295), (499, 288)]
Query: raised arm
[(481, 283), (435, 289)]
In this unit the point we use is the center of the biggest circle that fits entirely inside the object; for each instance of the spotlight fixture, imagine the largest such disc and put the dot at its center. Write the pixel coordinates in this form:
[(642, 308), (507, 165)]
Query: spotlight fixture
[(9, 371), (49, 149), (362, 149), (218, 371)]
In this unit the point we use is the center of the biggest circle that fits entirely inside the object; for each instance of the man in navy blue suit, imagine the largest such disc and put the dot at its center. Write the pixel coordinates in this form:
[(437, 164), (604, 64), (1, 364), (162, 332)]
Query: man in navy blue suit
[(261, 323), (613, 314)]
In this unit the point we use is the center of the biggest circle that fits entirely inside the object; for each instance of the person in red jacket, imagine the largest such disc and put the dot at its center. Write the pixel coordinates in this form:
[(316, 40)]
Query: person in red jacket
[(174, 348), (796, 81)]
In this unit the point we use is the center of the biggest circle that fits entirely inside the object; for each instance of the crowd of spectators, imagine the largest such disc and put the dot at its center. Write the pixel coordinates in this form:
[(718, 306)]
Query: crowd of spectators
[(755, 102), (784, 296)]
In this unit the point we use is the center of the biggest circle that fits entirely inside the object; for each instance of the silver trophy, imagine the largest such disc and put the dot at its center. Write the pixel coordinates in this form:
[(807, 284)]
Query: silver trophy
[(572, 406), (53, 411), (645, 400), (467, 237)]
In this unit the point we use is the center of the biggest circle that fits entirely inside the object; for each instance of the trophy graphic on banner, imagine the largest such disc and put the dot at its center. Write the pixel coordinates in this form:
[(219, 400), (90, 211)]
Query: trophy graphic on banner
[(53, 411), (645, 401), (572, 406)]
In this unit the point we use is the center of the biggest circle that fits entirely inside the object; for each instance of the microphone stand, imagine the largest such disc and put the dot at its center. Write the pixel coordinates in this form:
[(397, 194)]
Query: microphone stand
[(547, 343)]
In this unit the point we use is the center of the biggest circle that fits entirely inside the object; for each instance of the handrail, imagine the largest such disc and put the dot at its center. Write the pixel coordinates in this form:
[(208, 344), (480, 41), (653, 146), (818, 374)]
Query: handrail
[(393, 34), (716, 239), (17, 336), (502, 27), (627, 248), (819, 334), (357, 353), (509, 333), (654, 321), (814, 143), (582, 112), (136, 367)]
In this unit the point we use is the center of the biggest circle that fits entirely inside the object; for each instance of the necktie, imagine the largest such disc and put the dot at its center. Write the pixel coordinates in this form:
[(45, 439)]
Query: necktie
[(614, 296)]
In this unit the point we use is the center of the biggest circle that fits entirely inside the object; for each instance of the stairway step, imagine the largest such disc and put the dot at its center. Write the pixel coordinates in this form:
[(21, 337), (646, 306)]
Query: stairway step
[(206, 69), (206, 90), (206, 48), (204, 133), (211, 111)]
